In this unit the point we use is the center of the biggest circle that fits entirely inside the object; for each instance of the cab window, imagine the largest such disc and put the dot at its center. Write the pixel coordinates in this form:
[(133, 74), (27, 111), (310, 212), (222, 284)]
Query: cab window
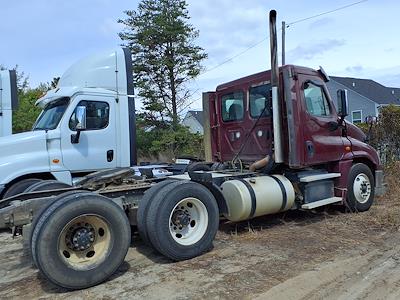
[(232, 107), (316, 102), (258, 99), (97, 115)]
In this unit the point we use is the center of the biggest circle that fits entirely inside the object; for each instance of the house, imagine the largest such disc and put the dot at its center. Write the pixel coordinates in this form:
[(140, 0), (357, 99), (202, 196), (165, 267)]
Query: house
[(194, 120), (365, 96)]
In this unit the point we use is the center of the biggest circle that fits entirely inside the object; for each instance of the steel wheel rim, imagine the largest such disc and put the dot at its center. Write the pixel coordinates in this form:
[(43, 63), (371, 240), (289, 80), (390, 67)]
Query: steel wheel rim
[(84, 242), (188, 221), (362, 188)]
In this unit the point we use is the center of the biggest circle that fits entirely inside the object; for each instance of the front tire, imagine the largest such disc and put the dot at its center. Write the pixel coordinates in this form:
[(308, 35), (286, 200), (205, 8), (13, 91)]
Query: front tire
[(80, 240), (360, 188), (182, 220), (20, 186)]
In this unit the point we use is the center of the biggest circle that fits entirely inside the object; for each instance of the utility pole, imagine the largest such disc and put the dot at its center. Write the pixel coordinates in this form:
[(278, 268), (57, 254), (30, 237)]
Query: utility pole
[(283, 42)]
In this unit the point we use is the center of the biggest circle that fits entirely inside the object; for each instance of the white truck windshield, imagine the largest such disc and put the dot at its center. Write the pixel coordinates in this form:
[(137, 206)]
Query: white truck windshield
[(51, 115)]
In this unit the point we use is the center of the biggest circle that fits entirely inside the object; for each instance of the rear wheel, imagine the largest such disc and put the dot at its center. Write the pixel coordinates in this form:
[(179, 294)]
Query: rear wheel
[(29, 229), (20, 186), (360, 188), (183, 220), (144, 207), (81, 240)]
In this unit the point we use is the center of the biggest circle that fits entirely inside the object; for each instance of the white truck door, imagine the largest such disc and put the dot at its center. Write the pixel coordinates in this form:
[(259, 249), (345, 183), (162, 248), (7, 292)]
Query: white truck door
[(96, 148)]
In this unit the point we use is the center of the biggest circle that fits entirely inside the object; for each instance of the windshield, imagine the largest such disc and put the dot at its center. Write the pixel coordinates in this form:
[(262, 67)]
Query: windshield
[(51, 115)]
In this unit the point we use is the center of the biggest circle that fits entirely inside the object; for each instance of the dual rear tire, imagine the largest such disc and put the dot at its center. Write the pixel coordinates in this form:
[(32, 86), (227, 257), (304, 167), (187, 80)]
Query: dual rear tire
[(80, 240), (180, 219)]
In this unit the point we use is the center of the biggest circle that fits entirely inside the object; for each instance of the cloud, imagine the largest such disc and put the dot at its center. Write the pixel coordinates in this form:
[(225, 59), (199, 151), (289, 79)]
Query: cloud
[(309, 51), (355, 69), (227, 29)]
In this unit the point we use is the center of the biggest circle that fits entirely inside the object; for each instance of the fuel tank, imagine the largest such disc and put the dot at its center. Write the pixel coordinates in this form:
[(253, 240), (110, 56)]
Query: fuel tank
[(256, 196)]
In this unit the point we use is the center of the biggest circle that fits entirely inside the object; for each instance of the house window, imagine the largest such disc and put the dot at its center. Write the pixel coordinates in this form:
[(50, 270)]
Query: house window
[(356, 116)]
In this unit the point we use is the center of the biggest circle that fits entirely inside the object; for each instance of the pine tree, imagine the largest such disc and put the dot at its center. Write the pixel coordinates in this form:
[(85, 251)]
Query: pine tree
[(165, 57)]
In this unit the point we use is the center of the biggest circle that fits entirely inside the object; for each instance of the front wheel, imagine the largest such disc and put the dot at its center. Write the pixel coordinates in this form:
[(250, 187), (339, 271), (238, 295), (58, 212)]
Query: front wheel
[(80, 240), (182, 220), (360, 188)]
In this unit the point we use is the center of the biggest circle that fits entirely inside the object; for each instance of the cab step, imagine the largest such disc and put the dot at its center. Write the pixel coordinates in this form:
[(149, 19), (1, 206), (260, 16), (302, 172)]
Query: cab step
[(316, 177), (322, 202)]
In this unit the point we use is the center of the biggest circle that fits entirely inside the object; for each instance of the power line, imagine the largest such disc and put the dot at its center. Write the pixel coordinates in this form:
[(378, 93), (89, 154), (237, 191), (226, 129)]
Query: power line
[(287, 26), (236, 55), (325, 13)]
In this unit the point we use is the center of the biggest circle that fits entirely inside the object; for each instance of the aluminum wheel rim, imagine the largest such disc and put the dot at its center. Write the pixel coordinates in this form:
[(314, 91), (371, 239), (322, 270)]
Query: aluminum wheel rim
[(90, 250), (188, 221), (362, 188)]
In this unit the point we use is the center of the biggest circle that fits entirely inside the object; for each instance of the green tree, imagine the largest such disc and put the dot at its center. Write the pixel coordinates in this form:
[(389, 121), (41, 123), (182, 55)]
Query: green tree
[(385, 134), (166, 143), (24, 117), (165, 57)]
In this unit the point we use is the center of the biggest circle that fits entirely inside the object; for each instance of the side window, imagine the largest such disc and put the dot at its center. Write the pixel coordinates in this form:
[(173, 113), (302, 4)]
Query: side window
[(258, 98), (316, 102), (232, 107), (97, 115), (356, 116)]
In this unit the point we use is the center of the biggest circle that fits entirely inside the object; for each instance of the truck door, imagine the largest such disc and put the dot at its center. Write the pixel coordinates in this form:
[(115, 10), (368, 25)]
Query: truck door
[(96, 148), (322, 139)]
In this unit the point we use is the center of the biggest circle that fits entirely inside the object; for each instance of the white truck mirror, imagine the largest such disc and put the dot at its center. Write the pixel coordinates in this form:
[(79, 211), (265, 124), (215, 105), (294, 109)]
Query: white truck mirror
[(80, 117), (80, 121)]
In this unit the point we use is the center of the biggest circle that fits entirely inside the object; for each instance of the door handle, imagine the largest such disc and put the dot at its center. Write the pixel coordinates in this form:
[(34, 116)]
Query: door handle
[(110, 155), (310, 149)]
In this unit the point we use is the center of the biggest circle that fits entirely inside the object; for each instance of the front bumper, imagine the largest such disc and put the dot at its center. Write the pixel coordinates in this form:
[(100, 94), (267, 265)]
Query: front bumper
[(380, 187)]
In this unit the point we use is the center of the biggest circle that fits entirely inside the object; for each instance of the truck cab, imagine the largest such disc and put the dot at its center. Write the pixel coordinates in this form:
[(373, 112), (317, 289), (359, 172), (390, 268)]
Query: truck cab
[(85, 125), (314, 134)]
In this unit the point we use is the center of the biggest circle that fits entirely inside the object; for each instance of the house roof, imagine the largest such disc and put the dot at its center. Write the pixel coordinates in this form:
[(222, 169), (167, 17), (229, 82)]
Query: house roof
[(395, 91), (198, 115), (370, 89)]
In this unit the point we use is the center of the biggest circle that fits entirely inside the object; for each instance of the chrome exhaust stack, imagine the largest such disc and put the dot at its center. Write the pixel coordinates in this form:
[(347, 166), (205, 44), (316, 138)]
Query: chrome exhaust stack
[(276, 111)]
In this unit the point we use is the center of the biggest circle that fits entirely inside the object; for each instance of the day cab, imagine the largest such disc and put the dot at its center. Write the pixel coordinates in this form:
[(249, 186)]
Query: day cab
[(85, 125), (314, 135)]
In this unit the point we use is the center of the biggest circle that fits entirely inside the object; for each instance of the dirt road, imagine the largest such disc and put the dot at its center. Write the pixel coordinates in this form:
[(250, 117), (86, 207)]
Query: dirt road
[(297, 255)]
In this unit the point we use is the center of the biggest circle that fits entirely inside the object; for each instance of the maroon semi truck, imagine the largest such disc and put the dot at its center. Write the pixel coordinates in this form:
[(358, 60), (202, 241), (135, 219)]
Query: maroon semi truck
[(274, 141)]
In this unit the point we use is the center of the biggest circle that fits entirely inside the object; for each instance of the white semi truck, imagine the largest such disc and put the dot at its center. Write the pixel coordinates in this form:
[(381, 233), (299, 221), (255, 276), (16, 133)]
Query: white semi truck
[(75, 133), (8, 100)]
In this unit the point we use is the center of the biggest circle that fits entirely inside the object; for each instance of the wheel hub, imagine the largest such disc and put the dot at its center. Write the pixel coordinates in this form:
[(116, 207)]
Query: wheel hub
[(188, 221), (362, 188), (181, 218), (80, 237)]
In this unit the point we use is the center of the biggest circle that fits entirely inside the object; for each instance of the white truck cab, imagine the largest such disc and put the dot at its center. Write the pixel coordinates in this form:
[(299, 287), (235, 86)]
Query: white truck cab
[(87, 124)]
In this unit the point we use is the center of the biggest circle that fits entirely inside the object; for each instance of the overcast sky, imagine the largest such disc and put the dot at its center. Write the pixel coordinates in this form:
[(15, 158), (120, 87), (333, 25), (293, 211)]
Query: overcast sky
[(45, 36)]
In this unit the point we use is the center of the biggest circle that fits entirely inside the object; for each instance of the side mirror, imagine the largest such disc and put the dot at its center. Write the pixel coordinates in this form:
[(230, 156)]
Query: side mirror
[(343, 104), (371, 120), (80, 121), (80, 117)]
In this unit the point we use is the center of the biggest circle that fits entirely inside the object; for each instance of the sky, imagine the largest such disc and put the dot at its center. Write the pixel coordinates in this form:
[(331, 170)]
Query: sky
[(44, 37)]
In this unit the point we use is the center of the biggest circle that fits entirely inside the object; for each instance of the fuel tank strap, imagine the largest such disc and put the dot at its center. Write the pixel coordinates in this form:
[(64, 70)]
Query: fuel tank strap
[(252, 197), (284, 195)]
